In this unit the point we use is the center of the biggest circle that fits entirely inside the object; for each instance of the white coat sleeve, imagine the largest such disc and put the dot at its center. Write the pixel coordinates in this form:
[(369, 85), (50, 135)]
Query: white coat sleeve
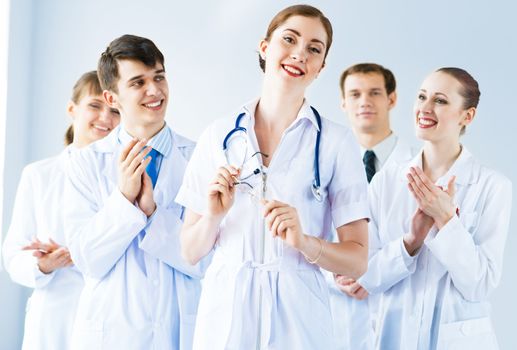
[(98, 231), (474, 259), (201, 169), (162, 240), (20, 264), (348, 188), (389, 261)]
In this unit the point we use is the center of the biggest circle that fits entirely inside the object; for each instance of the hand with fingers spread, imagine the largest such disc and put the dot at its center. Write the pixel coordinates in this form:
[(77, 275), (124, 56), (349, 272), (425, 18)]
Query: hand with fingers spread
[(221, 191), (51, 256), (283, 222), (41, 247), (145, 198), (421, 224), (433, 200), (131, 165), (350, 287)]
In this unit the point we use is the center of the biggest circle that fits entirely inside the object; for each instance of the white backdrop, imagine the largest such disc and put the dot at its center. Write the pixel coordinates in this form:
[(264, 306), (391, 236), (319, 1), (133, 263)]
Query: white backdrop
[(212, 68)]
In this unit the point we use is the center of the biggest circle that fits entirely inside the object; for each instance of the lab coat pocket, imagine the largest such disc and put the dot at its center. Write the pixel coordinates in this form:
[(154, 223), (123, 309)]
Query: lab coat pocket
[(88, 334), (314, 291), (471, 334)]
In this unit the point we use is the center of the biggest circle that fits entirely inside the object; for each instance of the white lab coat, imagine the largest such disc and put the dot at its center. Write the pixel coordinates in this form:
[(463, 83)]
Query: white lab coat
[(353, 319), (38, 212), (438, 299), (139, 293), (283, 302)]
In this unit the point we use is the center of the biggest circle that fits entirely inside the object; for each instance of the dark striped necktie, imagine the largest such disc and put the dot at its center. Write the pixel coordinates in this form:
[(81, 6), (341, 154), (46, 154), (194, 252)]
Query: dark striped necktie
[(369, 164)]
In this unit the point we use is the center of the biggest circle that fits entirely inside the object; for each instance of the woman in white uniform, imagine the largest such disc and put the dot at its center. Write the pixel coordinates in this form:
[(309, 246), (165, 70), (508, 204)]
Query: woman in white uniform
[(34, 251), (262, 190), (439, 226)]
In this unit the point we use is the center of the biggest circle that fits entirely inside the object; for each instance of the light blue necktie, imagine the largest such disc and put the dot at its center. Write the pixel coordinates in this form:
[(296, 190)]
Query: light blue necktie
[(152, 169)]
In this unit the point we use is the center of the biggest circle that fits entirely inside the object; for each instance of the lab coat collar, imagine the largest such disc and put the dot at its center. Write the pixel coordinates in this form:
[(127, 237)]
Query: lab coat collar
[(305, 112), (465, 168)]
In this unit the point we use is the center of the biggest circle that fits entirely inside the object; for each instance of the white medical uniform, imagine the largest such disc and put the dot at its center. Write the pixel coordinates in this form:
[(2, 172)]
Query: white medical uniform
[(353, 319), (438, 299), (282, 302), (38, 212), (139, 293)]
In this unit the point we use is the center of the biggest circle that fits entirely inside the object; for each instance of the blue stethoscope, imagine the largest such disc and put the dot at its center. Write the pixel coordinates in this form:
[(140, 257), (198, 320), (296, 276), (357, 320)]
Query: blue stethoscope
[(316, 185)]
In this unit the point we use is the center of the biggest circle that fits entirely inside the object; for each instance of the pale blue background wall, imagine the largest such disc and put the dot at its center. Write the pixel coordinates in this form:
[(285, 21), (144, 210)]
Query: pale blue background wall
[(212, 68)]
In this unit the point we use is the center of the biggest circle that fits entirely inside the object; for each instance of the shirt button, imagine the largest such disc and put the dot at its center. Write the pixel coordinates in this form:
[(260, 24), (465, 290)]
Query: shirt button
[(465, 329)]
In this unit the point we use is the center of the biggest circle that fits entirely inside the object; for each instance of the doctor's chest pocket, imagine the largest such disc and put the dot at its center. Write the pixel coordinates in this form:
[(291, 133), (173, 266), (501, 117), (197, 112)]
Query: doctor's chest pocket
[(297, 178), (471, 334), (87, 335)]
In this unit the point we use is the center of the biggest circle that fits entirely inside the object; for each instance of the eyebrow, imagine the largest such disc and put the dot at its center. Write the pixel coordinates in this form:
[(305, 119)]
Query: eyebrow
[(369, 90), (437, 93), (298, 34), (158, 71)]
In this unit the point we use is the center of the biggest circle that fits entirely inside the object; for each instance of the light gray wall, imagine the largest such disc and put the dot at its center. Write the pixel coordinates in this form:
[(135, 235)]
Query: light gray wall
[(13, 296), (210, 50)]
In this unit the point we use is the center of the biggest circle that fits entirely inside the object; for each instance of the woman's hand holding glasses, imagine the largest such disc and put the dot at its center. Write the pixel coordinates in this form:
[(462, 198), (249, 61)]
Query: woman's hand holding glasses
[(221, 191)]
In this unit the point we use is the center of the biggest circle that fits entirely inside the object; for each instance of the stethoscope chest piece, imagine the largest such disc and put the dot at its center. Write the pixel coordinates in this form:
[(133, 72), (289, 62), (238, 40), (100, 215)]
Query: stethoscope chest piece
[(316, 192)]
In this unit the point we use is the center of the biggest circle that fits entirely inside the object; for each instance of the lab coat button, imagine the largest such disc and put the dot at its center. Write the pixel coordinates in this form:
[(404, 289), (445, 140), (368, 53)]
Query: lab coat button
[(465, 329), (156, 282)]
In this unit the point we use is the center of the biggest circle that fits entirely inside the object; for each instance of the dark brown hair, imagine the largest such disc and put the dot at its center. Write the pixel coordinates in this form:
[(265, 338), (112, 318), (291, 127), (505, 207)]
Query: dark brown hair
[(470, 91), (365, 68), (127, 47), (297, 10), (470, 87), (88, 84)]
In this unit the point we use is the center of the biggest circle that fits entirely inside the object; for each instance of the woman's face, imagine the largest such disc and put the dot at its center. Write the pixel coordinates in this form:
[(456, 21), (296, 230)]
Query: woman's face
[(92, 118), (296, 51), (439, 112)]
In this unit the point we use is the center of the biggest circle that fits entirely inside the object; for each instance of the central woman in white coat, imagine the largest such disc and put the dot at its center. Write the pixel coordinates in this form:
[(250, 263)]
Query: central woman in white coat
[(439, 243), (264, 214)]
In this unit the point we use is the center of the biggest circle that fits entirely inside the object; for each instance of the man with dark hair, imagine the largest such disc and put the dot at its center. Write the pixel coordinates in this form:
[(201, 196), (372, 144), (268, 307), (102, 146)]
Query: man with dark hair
[(368, 92), (122, 224)]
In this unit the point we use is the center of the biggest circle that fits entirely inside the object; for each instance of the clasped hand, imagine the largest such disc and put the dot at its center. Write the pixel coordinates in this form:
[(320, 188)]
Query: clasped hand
[(435, 207), (350, 287), (134, 183), (51, 256)]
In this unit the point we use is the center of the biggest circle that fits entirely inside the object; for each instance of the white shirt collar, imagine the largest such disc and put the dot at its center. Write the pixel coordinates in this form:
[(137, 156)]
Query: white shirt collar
[(382, 150), (305, 112), (162, 141)]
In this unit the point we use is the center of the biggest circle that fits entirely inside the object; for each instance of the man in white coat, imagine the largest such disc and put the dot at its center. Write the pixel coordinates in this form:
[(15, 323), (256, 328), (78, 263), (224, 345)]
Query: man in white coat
[(121, 221), (368, 92)]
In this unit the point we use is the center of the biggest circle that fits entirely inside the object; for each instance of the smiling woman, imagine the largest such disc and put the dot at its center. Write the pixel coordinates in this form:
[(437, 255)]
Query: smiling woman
[(34, 250), (267, 219)]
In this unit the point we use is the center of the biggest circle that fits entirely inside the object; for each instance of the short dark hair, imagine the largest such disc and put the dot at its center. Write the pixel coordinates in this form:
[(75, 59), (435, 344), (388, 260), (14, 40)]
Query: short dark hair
[(127, 47), (389, 79)]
